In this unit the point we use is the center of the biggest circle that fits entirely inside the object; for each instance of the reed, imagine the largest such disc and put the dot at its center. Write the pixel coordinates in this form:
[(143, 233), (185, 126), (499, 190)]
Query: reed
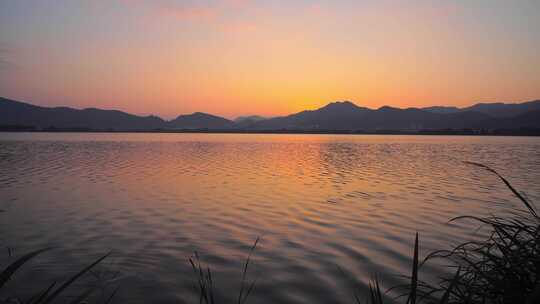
[(52, 292), (205, 284), (503, 269)]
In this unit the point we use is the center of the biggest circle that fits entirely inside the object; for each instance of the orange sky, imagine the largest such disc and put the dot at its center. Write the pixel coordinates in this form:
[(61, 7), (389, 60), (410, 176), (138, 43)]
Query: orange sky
[(234, 57)]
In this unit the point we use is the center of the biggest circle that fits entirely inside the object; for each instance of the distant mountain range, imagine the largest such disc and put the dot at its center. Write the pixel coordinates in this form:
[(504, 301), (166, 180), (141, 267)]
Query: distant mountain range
[(497, 109), (342, 116)]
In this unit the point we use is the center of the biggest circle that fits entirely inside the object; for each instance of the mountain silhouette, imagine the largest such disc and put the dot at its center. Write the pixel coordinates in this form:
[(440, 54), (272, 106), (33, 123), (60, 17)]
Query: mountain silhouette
[(530, 119), (442, 109), (246, 122), (334, 116), (341, 116), (251, 118), (505, 109), (199, 120), (497, 109), (18, 113), (348, 116)]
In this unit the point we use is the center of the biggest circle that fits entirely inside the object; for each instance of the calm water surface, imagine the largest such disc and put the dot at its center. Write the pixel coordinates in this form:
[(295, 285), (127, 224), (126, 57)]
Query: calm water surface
[(316, 202)]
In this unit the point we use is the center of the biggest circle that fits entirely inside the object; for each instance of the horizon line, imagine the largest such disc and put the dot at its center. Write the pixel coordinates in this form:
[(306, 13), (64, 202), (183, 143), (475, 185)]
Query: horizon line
[(268, 117)]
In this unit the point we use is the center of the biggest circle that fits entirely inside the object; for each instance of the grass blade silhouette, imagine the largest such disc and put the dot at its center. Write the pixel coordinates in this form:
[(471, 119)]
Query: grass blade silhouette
[(60, 289), (13, 267), (42, 295), (448, 291), (241, 296), (109, 300), (414, 275), (375, 292), (507, 183), (204, 280)]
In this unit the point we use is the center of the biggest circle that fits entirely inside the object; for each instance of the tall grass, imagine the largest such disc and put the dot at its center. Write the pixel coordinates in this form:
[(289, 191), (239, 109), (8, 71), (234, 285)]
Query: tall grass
[(502, 269), (205, 284), (54, 291)]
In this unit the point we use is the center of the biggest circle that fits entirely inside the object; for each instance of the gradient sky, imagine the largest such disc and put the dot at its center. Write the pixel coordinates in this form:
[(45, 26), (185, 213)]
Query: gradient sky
[(237, 57)]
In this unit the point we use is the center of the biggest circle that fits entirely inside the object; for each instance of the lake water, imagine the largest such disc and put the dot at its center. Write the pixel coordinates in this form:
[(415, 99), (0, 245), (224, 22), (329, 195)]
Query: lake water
[(315, 201)]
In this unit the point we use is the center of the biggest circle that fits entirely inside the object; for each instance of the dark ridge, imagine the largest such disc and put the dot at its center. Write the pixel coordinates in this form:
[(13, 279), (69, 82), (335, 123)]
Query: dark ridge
[(335, 117)]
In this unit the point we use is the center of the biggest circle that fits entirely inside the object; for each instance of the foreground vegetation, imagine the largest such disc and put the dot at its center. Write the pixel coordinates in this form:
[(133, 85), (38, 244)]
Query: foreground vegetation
[(502, 269)]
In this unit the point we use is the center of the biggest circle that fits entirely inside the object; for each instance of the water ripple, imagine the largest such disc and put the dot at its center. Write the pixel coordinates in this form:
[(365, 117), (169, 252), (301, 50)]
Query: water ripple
[(317, 202)]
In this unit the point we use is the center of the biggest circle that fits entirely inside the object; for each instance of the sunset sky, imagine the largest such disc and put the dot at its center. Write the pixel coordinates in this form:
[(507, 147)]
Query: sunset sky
[(238, 57)]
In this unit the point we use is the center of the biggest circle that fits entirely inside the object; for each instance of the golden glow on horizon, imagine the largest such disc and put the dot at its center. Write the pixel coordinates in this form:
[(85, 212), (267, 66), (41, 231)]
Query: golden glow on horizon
[(240, 58)]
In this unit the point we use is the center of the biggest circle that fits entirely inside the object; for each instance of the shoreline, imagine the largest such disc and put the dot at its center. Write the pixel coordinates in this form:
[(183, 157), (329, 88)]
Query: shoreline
[(525, 132)]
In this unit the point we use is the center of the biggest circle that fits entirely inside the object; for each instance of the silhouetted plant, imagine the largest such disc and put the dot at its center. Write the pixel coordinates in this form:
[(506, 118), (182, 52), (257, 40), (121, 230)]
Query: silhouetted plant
[(503, 269), (51, 292), (205, 283)]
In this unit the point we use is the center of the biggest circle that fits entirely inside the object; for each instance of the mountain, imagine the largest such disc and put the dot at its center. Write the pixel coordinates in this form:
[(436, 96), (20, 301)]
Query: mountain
[(200, 120), (334, 116), (504, 109), (247, 122), (249, 118), (498, 109), (341, 116), (18, 113), (348, 116), (530, 119), (442, 109)]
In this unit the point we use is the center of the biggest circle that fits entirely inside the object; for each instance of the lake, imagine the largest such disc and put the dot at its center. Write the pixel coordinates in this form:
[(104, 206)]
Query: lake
[(331, 211)]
